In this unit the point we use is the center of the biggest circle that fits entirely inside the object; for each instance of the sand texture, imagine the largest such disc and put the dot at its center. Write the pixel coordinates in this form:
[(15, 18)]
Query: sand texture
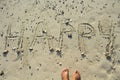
[(38, 38)]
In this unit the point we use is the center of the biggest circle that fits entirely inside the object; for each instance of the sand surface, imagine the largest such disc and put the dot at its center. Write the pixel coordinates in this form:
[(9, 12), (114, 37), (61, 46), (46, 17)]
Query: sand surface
[(38, 38)]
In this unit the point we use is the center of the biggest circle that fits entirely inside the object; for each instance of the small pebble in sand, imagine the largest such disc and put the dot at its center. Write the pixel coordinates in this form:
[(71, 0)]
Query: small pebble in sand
[(20, 68), (76, 60), (58, 52), (1, 34), (5, 53), (19, 52), (118, 61), (52, 78), (44, 32), (59, 63), (83, 55), (2, 73), (37, 68), (40, 65), (108, 58), (30, 49), (52, 50), (70, 36), (29, 67), (14, 48), (31, 74)]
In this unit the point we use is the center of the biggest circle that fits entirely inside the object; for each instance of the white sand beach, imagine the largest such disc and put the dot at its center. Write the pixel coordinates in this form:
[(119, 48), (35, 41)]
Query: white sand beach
[(39, 38)]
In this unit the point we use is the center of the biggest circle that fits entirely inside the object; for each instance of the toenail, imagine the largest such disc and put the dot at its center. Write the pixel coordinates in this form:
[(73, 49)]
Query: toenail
[(76, 71)]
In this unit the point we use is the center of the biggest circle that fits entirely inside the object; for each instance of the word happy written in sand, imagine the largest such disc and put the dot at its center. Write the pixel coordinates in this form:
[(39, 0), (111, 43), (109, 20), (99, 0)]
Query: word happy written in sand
[(42, 35)]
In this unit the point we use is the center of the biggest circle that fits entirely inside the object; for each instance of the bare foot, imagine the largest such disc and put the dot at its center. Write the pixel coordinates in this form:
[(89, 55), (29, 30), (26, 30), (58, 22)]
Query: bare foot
[(65, 74), (76, 76)]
